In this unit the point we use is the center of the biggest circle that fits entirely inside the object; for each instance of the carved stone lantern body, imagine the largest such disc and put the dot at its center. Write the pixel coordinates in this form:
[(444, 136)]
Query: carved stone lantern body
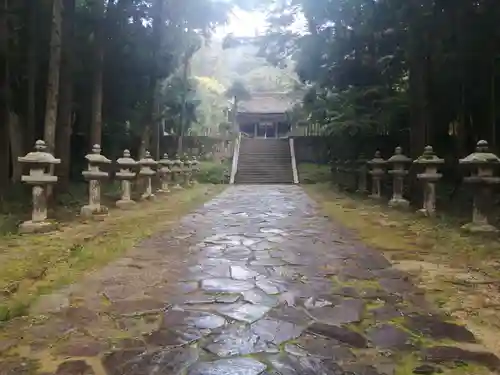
[(39, 162), (187, 171), (481, 165), (195, 167), (94, 175), (147, 172), (126, 175), (165, 171), (377, 172), (399, 162), (362, 170), (430, 176), (176, 173)]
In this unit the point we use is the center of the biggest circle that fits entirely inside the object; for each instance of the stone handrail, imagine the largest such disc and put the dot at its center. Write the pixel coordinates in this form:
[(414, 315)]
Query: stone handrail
[(236, 154), (294, 162)]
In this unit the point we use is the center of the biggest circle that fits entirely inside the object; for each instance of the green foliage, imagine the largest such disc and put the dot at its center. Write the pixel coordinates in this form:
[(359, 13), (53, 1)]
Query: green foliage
[(310, 173), (403, 70), (214, 172)]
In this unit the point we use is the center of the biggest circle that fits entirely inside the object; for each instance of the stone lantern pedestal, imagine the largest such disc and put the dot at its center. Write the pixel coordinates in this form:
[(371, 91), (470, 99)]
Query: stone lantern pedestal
[(377, 164), (195, 167), (187, 171), (398, 172), (430, 176), (176, 173), (39, 162), (481, 165), (362, 175), (147, 172), (165, 172), (126, 175), (94, 175)]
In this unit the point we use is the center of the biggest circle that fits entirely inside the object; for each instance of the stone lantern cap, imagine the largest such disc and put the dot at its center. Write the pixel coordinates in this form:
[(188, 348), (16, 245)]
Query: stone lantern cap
[(147, 160), (39, 156), (165, 161), (146, 163), (38, 160), (428, 158), (398, 157), (377, 164), (484, 161), (126, 162), (95, 159), (377, 160), (482, 156)]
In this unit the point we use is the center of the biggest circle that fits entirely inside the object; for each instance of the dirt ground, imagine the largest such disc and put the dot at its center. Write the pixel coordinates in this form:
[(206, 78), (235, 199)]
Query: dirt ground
[(461, 273)]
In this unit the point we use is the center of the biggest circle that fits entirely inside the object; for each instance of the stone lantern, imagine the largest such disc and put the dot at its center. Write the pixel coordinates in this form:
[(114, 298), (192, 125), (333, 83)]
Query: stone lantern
[(430, 162), (195, 167), (176, 172), (187, 170), (481, 165), (362, 173), (165, 172), (126, 174), (39, 162), (147, 163), (94, 175), (399, 161), (377, 172)]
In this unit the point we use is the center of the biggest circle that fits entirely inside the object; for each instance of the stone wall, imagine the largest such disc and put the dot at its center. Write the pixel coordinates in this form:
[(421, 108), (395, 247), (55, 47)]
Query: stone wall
[(218, 147), (311, 149)]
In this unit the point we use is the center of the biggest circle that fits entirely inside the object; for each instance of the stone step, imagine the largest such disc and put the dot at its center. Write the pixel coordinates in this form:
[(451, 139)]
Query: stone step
[(264, 161)]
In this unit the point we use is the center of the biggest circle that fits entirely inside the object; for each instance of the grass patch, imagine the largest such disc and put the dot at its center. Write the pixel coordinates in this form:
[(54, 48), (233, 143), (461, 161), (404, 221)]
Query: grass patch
[(310, 173), (460, 273), (33, 265), (213, 172)]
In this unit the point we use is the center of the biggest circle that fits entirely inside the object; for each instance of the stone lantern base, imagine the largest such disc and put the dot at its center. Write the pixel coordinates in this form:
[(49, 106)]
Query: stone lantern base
[(93, 211), (37, 226), (125, 204), (399, 203), (479, 228), (148, 197)]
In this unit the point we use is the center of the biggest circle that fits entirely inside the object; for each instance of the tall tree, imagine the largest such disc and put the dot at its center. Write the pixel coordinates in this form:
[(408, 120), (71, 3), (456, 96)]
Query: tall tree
[(98, 8), (66, 88), (52, 99)]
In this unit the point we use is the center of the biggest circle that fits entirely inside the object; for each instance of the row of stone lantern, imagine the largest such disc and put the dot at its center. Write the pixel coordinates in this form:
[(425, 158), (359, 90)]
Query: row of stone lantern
[(480, 165), (172, 173)]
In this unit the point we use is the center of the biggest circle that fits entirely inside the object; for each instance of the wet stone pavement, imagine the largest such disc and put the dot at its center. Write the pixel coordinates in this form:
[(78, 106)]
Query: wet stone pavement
[(255, 282)]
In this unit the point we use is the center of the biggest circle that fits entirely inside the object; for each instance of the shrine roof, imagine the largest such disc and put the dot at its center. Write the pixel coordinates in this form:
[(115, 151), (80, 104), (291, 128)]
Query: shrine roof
[(264, 103)]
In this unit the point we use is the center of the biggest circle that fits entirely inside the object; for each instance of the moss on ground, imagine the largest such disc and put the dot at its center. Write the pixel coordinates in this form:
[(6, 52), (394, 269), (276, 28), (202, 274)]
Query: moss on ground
[(460, 273), (310, 173), (32, 265)]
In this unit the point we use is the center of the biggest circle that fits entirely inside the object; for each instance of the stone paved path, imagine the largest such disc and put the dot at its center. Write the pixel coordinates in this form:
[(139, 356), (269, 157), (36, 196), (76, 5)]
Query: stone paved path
[(255, 282)]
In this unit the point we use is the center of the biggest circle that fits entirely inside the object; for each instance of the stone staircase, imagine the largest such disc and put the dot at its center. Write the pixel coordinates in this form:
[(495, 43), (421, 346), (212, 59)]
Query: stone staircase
[(264, 161)]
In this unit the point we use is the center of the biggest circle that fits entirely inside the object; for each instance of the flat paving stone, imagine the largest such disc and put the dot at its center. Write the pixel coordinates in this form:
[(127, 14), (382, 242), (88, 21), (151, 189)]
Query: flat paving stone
[(259, 297), (174, 362), (245, 312), (389, 337), (242, 273), (271, 286), (234, 340), (233, 366), (226, 285)]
